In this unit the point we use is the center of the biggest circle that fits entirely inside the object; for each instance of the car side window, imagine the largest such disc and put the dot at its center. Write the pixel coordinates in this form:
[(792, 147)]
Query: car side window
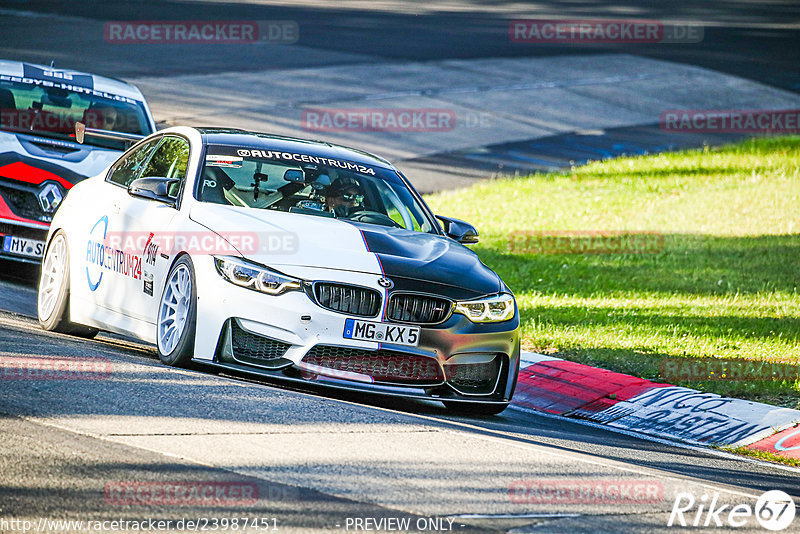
[(127, 170), (169, 161)]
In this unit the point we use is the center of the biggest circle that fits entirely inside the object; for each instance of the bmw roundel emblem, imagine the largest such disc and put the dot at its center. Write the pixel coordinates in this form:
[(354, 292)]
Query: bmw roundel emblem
[(385, 282)]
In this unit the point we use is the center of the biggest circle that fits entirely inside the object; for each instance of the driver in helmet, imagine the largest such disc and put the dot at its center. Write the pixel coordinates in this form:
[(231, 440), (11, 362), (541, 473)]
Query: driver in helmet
[(102, 116), (343, 196)]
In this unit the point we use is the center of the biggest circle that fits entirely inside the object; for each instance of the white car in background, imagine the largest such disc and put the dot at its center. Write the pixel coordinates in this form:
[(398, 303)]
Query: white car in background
[(39, 158), (282, 257)]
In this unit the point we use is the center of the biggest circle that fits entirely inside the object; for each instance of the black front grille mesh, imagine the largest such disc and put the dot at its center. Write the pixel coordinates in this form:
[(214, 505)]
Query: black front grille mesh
[(257, 349), (352, 300), (381, 365), (475, 378), (420, 309), (22, 203), (23, 231)]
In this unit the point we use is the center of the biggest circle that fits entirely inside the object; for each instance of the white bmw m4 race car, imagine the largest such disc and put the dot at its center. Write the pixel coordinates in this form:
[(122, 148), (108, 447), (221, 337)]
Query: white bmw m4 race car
[(282, 257)]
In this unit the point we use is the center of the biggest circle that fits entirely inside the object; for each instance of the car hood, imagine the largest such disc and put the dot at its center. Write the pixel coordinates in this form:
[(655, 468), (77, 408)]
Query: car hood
[(33, 159), (414, 261), (427, 263)]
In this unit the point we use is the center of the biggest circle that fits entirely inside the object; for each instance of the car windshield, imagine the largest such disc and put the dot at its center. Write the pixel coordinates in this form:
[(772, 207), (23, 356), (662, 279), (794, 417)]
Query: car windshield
[(30, 106), (310, 185)]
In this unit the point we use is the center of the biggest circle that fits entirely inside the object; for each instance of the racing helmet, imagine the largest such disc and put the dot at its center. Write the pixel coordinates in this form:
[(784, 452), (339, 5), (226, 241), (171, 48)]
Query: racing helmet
[(342, 187)]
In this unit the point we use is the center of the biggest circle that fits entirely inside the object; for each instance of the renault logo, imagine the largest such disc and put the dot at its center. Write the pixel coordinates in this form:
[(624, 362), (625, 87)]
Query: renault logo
[(385, 282), (50, 197)]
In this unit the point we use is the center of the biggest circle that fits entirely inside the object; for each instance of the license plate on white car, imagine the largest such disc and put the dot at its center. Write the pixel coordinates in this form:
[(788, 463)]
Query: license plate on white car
[(24, 247), (381, 332)]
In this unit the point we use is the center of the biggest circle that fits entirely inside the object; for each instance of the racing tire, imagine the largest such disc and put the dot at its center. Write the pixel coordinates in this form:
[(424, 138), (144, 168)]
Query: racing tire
[(52, 300), (176, 320), (474, 408)]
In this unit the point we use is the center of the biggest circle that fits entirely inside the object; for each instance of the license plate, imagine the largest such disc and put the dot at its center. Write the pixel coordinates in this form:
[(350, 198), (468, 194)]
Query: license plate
[(381, 332), (24, 247)]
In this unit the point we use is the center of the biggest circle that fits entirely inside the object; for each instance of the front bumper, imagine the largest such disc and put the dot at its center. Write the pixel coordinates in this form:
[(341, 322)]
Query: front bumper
[(32, 234), (292, 338), (21, 218)]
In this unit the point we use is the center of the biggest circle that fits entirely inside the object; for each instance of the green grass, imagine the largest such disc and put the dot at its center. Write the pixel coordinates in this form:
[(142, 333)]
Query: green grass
[(724, 284), (763, 455)]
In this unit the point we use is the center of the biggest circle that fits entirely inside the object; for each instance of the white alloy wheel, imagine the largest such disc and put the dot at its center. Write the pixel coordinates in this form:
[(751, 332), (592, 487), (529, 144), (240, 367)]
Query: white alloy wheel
[(174, 309), (52, 301), (52, 278)]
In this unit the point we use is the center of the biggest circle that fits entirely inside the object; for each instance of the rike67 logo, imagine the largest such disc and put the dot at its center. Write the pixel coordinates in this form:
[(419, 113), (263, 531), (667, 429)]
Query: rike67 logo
[(774, 510)]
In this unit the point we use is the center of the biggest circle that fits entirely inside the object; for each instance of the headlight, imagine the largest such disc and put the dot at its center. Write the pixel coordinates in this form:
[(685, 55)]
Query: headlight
[(488, 310), (256, 277)]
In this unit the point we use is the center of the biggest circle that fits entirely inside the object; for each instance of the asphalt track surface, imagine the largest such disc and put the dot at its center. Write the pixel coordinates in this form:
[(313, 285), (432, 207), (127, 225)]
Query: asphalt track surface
[(319, 457), (754, 39)]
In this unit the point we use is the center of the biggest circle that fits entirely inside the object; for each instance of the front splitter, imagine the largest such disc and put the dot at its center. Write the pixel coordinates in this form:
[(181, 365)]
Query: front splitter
[(340, 385)]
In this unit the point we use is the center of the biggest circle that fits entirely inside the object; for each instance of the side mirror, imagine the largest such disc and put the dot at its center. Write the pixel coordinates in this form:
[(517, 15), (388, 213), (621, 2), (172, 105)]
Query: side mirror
[(458, 230), (154, 188), (294, 175)]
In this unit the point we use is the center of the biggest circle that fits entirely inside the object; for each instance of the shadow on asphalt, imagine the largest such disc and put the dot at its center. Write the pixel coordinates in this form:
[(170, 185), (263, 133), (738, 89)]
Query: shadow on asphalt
[(25, 274), (228, 404)]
